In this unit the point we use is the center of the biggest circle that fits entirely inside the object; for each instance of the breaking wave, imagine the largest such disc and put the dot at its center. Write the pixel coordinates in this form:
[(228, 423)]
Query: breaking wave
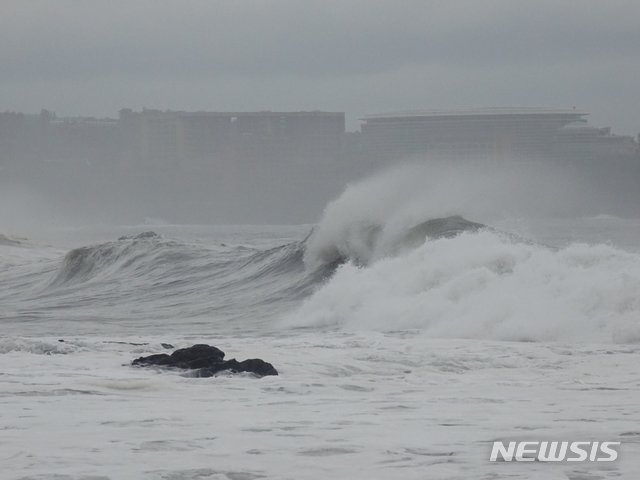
[(450, 277), (483, 285), (147, 276), (389, 254)]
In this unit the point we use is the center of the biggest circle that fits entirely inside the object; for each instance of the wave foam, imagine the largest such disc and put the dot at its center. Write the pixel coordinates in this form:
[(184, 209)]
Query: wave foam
[(38, 347), (483, 285), (453, 278)]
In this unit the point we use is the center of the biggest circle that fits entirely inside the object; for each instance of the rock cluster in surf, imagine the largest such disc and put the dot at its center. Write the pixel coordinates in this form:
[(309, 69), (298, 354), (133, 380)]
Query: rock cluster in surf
[(205, 361)]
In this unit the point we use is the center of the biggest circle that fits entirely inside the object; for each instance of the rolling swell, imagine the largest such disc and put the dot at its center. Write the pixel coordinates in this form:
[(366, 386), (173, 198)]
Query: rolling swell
[(149, 276), (446, 277), (128, 254), (159, 263)]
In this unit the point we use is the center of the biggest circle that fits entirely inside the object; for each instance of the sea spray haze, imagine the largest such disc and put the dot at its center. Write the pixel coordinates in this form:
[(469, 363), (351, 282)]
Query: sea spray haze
[(372, 215), (483, 283)]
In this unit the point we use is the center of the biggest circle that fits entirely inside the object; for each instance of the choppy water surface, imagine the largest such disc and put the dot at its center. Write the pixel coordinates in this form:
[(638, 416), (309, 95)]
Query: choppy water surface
[(398, 357)]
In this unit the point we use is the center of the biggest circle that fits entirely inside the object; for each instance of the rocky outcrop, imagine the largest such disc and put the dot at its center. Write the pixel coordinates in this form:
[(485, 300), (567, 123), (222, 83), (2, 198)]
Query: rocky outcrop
[(205, 361)]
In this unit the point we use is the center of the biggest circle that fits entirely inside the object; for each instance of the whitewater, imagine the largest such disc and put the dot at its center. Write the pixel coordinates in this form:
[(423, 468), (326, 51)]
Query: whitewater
[(410, 332)]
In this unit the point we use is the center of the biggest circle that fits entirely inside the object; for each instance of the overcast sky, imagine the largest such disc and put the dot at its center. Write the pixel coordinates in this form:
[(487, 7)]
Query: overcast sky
[(93, 57)]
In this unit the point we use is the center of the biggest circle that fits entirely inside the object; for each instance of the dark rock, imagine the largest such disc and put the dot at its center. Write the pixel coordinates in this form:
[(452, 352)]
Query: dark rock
[(160, 359), (206, 361), (257, 366), (254, 365), (168, 346), (198, 356)]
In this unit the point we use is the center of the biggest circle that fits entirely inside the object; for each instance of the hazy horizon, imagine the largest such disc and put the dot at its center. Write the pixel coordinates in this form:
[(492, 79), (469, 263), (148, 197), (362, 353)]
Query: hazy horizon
[(93, 58), (359, 57)]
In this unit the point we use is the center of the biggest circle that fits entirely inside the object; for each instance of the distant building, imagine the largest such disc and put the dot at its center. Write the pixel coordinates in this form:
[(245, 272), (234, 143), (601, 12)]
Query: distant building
[(482, 133), (81, 140), (226, 166), (12, 126), (266, 144), (172, 138), (20, 139), (581, 142)]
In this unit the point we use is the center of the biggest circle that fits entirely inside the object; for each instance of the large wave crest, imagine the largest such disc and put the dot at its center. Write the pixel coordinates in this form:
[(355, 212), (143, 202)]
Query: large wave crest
[(450, 277)]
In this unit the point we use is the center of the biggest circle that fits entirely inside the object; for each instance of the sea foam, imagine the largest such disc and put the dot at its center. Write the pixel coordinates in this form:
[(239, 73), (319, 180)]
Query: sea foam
[(483, 285), (477, 283)]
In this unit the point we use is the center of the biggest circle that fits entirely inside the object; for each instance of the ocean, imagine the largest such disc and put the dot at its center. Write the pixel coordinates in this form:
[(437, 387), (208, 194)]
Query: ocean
[(406, 344)]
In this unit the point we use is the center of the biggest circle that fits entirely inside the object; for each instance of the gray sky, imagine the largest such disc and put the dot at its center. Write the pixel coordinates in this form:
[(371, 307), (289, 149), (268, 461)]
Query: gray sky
[(92, 57)]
